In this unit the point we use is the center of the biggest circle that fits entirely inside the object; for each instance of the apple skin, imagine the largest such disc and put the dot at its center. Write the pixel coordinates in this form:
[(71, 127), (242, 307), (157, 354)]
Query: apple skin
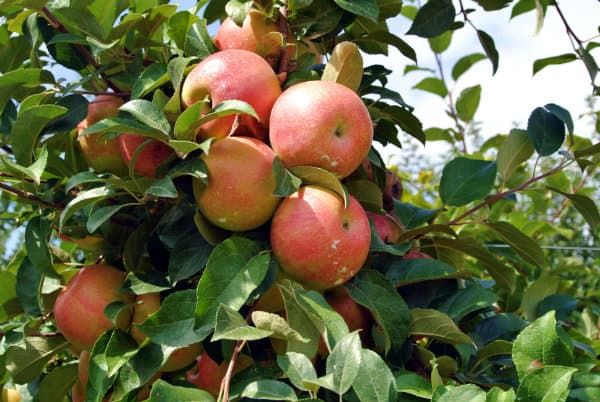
[(233, 74), (151, 156), (239, 194), (316, 240), (387, 228), (207, 374), (322, 124), (356, 316), (10, 395), (85, 297), (100, 153), (416, 254), (248, 36)]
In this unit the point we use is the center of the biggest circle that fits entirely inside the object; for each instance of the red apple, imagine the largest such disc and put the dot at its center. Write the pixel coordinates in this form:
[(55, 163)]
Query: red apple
[(79, 308), (239, 194), (316, 240), (251, 35), (233, 74), (100, 153), (207, 374), (356, 316), (387, 228), (150, 157), (416, 254), (322, 124)]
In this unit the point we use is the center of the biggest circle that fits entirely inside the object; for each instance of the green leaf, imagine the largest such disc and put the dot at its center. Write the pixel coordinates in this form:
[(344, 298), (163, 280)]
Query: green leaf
[(524, 245), (585, 205), (492, 5), (562, 114), (187, 122), (231, 325), (345, 66), (413, 384), (344, 362), (228, 108), (436, 325), (321, 177), (539, 345), (164, 188), (26, 364), (515, 150), (83, 199), (468, 102), (270, 390), (539, 64), (298, 369), (367, 193), (233, 271), (545, 131), (389, 38), (145, 112), (194, 167), (149, 80), (276, 325), (433, 19), (27, 128), (9, 304), (375, 381), (549, 383), (466, 301), (546, 285), (125, 125), (463, 393), (34, 171), (489, 47), (412, 216), (401, 272), (37, 236), (286, 183), (57, 383), (364, 8), (370, 289), (101, 215), (162, 391), (465, 180), (332, 325), (189, 256), (28, 288), (465, 63), (191, 35), (433, 85)]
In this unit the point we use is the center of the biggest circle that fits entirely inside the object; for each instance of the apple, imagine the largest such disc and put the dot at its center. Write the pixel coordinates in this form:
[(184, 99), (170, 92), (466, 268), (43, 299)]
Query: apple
[(416, 254), (10, 395), (252, 35), (316, 240), (207, 374), (239, 195), (233, 74), (392, 190), (386, 226), (154, 153), (79, 308), (322, 124), (100, 153), (356, 316)]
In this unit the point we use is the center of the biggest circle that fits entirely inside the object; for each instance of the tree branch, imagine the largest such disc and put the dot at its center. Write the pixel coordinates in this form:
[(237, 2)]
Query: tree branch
[(229, 373), (29, 196), (566, 24)]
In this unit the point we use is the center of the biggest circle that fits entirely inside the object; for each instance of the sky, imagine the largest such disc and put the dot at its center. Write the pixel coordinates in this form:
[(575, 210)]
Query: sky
[(509, 96)]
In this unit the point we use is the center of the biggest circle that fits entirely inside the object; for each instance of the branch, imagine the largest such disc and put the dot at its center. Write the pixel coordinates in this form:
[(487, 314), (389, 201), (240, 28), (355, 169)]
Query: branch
[(82, 49), (283, 29), (29, 196), (227, 377), (566, 24)]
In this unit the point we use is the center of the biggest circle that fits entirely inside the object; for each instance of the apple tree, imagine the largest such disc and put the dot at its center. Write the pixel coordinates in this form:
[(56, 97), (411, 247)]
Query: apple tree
[(196, 207)]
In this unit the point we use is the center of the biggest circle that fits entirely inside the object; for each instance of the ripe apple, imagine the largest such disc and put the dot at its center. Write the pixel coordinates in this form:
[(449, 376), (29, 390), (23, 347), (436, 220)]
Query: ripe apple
[(316, 240), (416, 254), (387, 228), (100, 153), (239, 194), (79, 308), (207, 374), (356, 316), (252, 35), (322, 124), (233, 74), (150, 157), (10, 395)]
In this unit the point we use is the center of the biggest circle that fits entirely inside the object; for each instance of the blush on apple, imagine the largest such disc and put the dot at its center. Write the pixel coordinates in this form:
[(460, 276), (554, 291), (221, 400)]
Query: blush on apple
[(153, 155), (239, 194), (316, 240), (252, 35), (386, 226), (207, 374), (322, 124), (233, 74), (84, 298)]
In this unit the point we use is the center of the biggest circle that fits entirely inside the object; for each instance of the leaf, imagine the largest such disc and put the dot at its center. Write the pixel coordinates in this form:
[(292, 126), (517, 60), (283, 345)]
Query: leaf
[(344, 362), (562, 114), (364, 8), (401, 272), (321, 177), (463, 393), (413, 384), (28, 288), (585, 205), (492, 5), (539, 345), (162, 391), (465, 180), (101, 215), (433, 19), (187, 122), (164, 188), (270, 390), (188, 256), (466, 301), (524, 245), (545, 131), (57, 383), (286, 183), (191, 35), (345, 66), (515, 150), (436, 325), (468, 102), (332, 325), (547, 284), (231, 325), (367, 193), (125, 125), (26, 364), (550, 383), (149, 80), (27, 128), (37, 236), (464, 63), (412, 216), (277, 325), (375, 381), (145, 112), (227, 108), (83, 199), (489, 47), (9, 305), (433, 85), (298, 368), (384, 36), (370, 289), (539, 64)]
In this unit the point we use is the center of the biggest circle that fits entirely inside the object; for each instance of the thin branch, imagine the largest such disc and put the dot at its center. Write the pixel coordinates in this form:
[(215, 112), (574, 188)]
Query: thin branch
[(283, 29), (227, 377), (566, 24), (12, 176), (29, 196)]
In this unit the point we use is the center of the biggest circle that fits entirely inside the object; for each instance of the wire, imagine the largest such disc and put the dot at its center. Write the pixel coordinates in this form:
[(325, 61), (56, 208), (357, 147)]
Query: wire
[(570, 248)]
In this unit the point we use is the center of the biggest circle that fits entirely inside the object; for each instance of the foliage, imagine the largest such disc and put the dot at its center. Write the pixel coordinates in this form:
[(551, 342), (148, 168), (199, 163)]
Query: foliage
[(493, 316)]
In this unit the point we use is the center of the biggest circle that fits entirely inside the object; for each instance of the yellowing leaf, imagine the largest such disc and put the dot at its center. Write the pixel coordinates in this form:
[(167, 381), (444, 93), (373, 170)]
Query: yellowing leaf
[(345, 66)]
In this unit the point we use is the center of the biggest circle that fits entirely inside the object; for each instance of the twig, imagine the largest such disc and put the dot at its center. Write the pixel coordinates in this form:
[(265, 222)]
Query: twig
[(566, 24), (229, 373), (283, 29), (29, 196), (12, 176)]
